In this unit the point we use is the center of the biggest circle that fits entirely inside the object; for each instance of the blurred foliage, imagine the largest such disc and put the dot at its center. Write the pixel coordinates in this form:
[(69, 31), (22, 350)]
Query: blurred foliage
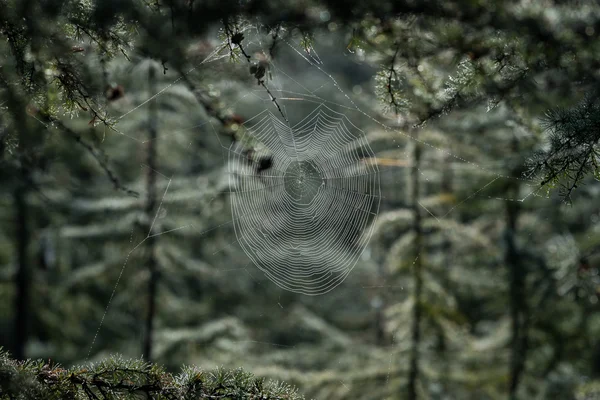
[(117, 378), (475, 109)]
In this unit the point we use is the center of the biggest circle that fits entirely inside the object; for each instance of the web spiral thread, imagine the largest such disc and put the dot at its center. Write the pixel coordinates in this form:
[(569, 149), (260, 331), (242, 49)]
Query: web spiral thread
[(305, 220)]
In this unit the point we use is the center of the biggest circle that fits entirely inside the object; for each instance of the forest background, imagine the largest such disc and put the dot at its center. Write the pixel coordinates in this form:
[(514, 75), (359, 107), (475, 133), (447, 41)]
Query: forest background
[(126, 130)]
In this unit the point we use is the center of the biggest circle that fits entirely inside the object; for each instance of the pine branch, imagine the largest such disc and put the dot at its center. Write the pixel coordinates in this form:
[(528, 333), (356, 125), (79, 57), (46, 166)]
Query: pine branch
[(260, 69), (96, 153), (273, 99), (129, 379), (574, 152), (392, 77)]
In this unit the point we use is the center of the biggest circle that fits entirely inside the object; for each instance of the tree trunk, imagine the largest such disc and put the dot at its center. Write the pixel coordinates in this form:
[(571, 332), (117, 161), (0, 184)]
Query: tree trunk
[(22, 277), (379, 322), (379, 304), (518, 304), (413, 375), (447, 189), (150, 211)]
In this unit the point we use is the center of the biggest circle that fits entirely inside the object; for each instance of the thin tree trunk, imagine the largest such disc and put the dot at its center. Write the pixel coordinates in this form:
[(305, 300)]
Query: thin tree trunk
[(378, 304), (17, 108), (447, 189), (413, 375), (3, 138), (22, 277), (150, 211), (518, 304)]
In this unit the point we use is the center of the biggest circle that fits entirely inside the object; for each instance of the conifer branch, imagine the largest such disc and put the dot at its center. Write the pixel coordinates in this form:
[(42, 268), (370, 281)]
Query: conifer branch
[(574, 139), (235, 39), (96, 153), (391, 78), (130, 379)]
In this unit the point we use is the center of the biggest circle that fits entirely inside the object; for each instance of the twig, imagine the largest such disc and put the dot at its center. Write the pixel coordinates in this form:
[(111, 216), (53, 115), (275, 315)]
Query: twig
[(273, 99), (236, 39), (243, 52), (392, 74), (100, 158), (275, 37)]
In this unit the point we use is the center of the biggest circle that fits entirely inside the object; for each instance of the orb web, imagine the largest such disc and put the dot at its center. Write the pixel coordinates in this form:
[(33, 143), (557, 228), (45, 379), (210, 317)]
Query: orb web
[(306, 219)]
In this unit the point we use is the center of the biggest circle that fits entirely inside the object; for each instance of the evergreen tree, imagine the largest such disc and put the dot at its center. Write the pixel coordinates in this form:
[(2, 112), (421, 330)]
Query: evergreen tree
[(484, 286)]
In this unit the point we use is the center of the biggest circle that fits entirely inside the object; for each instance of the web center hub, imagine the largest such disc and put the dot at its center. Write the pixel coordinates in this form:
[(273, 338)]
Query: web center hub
[(302, 181)]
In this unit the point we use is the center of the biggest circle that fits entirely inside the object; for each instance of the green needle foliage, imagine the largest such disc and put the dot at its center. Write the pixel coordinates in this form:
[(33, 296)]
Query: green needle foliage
[(119, 379), (117, 149), (573, 151)]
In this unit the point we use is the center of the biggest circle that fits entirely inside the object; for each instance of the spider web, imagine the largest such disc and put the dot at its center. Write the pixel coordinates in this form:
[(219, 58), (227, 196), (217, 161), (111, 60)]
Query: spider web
[(302, 223), (305, 221)]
